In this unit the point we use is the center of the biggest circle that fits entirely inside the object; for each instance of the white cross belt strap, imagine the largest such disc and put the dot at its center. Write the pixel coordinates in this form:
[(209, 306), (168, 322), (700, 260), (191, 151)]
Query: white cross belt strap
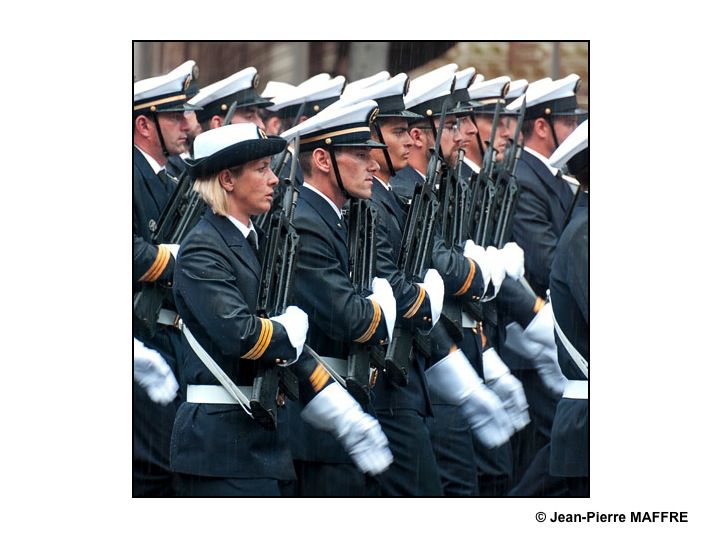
[(226, 382), (580, 362), (576, 390), (212, 394)]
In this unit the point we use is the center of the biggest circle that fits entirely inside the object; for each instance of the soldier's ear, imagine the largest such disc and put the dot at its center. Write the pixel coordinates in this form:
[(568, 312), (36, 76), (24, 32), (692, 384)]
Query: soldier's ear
[(143, 125), (321, 160), (216, 121), (416, 136), (226, 180)]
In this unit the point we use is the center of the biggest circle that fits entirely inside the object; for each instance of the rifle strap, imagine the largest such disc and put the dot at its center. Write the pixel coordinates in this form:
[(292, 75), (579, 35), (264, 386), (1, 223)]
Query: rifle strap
[(227, 383)]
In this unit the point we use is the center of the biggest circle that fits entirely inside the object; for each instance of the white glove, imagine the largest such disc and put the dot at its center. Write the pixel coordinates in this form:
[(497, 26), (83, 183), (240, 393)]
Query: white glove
[(334, 410), (383, 295), (477, 254), (513, 258), (151, 371), (435, 289), (537, 343), (174, 248), (456, 382), (491, 263), (295, 322), (507, 388)]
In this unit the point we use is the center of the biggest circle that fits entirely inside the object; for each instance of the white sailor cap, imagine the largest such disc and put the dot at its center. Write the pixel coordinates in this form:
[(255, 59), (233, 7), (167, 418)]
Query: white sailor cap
[(429, 91), (389, 96), (484, 95), (574, 151), (238, 88), (337, 127), (516, 89), (550, 98), (315, 95), (276, 88), (463, 80), (355, 86), (315, 79), (229, 146), (166, 93)]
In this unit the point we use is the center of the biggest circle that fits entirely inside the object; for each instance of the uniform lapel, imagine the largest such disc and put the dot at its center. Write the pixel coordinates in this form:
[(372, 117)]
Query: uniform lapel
[(327, 214), (235, 241), (561, 190)]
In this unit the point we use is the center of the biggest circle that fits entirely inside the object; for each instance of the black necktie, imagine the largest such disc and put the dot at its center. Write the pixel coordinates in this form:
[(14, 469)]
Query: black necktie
[(253, 241)]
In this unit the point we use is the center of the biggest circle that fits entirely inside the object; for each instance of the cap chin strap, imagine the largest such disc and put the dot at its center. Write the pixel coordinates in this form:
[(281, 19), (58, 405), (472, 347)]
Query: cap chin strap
[(337, 173), (477, 136), (160, 136), (552, 130), (386, 153)]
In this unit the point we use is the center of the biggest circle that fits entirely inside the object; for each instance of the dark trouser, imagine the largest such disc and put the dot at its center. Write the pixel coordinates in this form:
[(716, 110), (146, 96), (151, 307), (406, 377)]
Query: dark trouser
[(414, 471), (541, 406), (537, 482), (452, 443), (152, 427), (315, 479), (209, 486), (494, 469)]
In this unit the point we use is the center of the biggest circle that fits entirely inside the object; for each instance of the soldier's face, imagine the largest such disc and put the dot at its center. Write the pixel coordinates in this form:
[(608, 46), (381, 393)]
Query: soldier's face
[(357, 168), (175, 129), (253, 187), (564, 126), (484, 126), (248, 115), (450, 138), (398, 141)]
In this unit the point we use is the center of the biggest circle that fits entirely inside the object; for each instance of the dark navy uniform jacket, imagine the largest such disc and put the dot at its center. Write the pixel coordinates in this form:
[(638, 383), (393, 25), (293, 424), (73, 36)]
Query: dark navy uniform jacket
[(216, 285), (412, 304), (542, 207), (569, 291), (337, 314)]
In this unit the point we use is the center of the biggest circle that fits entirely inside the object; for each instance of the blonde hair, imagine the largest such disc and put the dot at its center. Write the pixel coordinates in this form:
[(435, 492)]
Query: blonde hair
[(213, 193)]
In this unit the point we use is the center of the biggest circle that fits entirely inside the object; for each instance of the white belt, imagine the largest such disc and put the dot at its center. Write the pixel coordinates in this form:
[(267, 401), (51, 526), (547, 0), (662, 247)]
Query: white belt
[(576, 390), (467, 321), (215, 394), (168, 318)]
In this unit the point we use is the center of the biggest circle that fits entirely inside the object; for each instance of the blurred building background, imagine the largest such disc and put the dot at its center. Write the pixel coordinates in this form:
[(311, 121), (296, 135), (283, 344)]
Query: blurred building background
[(293, 62)]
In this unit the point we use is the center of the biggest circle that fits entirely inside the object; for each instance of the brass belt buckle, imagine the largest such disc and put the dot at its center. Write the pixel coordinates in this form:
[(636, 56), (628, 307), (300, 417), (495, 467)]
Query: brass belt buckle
[(373, 376)]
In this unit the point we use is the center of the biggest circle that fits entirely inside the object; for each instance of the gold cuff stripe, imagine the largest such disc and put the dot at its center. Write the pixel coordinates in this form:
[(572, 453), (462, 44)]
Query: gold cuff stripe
[(158, 266), (170, 99), (263, 341), (539, 303), (335, 134), (418, 302), (373, 325), (319, 377), (468, 280)]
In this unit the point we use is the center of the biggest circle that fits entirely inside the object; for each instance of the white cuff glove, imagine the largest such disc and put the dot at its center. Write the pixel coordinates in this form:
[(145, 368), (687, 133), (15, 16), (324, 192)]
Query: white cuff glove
[(456, 382), (295, 322), (435, 290), (383, 295), (334, 410), (174, 248), (507, 388), (513, 258), (151, 371), (537, 343), (496, 266), (477, 254)]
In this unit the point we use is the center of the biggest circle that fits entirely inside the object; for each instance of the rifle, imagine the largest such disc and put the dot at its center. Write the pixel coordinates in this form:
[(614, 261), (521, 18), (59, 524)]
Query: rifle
[(279, 256), (181, 213), (414, 260), (361, 263)]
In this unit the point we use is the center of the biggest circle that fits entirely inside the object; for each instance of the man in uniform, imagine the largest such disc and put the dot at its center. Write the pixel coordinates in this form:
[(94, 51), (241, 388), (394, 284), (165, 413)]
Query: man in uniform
[(218, 448), (465, 279), (160, 130), (334, 153), (403, 410), (543, 204)]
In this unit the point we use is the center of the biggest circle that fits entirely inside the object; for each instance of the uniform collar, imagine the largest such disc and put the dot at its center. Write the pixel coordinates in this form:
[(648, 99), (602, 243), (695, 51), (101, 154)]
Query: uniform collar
[(470, 163), (542, 159), (243, 229), (156, 167), (327, 199)]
